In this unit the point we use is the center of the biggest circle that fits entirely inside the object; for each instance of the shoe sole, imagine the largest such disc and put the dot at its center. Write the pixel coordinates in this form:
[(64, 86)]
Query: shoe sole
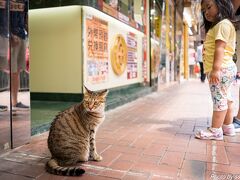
[(237, 130), (209, 138), (3, 110), (230, 134), (20, 109)]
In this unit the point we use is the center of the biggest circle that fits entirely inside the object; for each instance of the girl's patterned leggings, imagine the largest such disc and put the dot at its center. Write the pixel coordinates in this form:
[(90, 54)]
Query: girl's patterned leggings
[(221, 92)]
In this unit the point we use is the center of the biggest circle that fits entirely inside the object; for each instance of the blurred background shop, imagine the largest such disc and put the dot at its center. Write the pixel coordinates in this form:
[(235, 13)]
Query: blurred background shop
[(131, 47)]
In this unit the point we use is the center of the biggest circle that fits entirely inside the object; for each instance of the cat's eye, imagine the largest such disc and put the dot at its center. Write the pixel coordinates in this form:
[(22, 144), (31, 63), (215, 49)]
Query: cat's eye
[(101, 101)]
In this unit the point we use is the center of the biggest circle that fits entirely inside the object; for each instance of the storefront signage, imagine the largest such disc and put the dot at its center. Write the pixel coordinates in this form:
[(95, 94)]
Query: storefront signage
[(121, 63), (132, 56), (110, 10), (97, 49), (123, 18)]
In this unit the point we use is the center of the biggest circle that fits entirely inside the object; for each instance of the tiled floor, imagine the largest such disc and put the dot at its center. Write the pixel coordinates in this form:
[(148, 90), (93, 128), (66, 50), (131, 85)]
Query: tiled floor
[(148, 139)]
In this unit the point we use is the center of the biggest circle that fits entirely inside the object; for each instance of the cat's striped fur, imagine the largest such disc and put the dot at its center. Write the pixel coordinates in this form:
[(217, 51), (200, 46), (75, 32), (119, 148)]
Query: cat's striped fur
[(72, 135)]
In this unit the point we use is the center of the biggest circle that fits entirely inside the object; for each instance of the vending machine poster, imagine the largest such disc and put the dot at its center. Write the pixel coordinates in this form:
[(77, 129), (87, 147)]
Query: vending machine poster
[(132, 56), (97, 49)]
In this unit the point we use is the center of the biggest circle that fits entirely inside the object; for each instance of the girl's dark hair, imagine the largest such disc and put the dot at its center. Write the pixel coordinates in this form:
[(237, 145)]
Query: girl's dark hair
[(225, 11)]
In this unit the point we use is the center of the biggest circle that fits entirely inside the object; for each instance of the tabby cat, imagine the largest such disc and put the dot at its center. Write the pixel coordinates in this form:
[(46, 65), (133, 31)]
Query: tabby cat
[(72, 135)]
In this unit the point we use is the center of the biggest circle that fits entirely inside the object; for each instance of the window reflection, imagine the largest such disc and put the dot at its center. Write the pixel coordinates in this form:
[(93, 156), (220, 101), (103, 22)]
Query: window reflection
[(19, 44), (156, 18), (20, 97)]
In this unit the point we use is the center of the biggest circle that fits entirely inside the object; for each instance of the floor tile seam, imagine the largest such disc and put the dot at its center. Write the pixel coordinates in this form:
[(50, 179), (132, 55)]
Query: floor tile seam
[(26, 156), (135, 173), (161, 157), (108, 177), (161, 176), (102, 168), (214, 155), (108, 147), (222, 172), (126, 172), (19, 162), (29, 163), (17, 174), (216, 164), (6, 153), (135, 140), (181, 167), (115, 159)]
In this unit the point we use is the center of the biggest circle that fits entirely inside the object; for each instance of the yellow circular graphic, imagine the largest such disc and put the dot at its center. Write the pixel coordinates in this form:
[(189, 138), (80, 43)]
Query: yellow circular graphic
[(119, 55)]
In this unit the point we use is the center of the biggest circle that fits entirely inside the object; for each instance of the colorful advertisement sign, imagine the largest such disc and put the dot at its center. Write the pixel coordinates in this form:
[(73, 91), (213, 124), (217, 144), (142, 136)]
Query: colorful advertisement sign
[(132, 56), (97, 49), (120, 63)]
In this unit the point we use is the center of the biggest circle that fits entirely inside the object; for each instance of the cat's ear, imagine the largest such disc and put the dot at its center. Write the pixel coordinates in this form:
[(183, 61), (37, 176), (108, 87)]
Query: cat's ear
[(104, 93), (89, 91)]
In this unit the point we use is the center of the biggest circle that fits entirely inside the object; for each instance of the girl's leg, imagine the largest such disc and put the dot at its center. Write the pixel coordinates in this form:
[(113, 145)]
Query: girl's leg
[(228, 127), (215, 132), (222, 114), (238, 114), (218, 118), (229, 115), (236, 120)]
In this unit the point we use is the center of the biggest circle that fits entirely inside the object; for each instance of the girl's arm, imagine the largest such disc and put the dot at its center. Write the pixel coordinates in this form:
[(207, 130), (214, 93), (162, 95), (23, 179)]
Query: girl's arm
[(217, 63)]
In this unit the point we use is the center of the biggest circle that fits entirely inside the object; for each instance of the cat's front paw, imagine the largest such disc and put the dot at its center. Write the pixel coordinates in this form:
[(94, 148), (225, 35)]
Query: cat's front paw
[(96, 157)]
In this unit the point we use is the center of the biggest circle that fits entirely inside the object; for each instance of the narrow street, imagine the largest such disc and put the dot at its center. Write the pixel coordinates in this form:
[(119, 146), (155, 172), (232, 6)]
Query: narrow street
[(151, 138)]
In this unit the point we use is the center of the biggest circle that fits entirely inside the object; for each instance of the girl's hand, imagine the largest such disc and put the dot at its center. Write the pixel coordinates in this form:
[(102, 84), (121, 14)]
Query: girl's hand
[(214, 77)]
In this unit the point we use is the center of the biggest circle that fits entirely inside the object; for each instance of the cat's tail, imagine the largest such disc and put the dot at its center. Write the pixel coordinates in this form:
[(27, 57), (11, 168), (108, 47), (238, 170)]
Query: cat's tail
[(53, 168)]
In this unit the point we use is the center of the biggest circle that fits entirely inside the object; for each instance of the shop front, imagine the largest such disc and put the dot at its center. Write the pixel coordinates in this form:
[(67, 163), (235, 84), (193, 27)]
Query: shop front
[(102, 46)]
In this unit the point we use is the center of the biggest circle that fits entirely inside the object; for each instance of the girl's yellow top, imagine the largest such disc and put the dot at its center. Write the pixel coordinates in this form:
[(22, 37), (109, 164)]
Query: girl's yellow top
[(224, 31)]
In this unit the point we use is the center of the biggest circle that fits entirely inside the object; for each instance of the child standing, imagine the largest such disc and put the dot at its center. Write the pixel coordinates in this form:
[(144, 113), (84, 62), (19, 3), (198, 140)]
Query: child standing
[(219, 48)]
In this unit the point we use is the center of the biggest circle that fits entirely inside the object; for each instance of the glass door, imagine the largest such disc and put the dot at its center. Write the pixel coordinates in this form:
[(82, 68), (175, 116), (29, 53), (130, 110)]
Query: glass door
[(5, 113)]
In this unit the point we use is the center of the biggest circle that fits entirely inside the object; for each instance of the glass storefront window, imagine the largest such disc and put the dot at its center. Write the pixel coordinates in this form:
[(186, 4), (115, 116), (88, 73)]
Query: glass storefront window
[(156, 18), (14, 77), (129, 11), (155, 30)]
